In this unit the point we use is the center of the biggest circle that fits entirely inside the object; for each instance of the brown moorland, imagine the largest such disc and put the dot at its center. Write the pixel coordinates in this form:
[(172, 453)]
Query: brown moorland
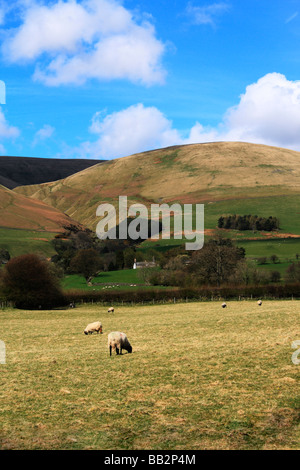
[(20, 212)]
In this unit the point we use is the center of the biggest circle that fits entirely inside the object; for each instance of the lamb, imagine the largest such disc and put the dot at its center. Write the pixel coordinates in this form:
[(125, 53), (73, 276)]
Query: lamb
[(259, 302), (91, 327), (224, 305), (118, 341), (111, 310)]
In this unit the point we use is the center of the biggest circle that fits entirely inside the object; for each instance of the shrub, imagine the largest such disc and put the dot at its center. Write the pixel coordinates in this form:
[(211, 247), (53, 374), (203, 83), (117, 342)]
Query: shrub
[(30, 283)]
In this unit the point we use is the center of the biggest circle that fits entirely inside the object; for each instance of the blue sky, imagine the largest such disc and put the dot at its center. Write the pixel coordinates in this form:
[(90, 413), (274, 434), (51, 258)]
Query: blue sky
[(108, 78)]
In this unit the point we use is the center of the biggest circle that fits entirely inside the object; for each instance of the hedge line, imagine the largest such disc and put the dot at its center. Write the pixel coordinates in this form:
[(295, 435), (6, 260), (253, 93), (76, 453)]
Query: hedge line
[(202, 293)]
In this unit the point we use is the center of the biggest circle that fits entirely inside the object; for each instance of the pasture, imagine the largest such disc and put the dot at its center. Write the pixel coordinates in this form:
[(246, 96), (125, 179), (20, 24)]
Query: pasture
[(199, 377)]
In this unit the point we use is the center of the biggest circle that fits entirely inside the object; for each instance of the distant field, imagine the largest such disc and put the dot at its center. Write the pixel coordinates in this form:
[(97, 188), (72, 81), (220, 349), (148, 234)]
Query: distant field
[(286, 208), (199, 377), (18, 242), (112, 278), (284, 249)]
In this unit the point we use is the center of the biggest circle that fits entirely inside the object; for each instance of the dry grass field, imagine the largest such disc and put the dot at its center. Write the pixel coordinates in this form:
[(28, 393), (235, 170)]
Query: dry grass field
[(199, 377)]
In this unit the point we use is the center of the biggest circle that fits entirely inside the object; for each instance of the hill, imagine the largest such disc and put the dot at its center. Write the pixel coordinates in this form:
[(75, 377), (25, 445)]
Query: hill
[(19, 171), (20, 212), (228, 177)]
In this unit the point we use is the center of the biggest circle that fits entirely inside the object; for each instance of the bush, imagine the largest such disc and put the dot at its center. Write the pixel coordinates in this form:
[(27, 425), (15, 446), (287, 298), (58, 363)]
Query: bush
[(30, 283), (192, 293)]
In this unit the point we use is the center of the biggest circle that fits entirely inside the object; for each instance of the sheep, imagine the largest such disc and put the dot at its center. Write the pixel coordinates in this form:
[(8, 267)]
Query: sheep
[(91, 327), (224, 305), (259, 302), (111, 310), (118, 341)]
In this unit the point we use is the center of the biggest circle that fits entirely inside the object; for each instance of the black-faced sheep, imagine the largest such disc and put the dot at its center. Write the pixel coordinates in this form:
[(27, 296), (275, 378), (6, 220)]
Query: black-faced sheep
[(224, 305), (92, 327), (259, 302), (118, 341), (111, 310)]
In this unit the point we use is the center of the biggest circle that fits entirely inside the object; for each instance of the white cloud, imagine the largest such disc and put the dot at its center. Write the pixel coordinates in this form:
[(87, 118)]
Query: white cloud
[(44, 133), (206, 14), (7, 131), (267, 113), (75, 42), (129, 131)]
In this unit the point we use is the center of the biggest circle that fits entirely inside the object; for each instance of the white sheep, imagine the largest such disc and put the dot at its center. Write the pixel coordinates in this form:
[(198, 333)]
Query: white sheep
[(259, 302), (111, 310), (224, 305), (91, 327), (118, 341)]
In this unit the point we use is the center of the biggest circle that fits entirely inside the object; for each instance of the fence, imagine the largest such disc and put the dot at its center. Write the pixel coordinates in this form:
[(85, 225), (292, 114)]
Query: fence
[(174, 295)]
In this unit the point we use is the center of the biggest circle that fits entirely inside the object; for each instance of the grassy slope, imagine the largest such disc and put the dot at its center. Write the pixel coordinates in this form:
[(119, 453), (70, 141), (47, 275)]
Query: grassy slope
[(227, 177), (20, 212), (235, 176), (19, 242), (208, 379), (28, 225)]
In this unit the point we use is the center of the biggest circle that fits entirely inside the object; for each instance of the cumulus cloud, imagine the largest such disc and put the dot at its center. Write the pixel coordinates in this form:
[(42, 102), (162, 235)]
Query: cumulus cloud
[(129, 131), (206, 14), (42, 134), (267, 113), (94, 39)]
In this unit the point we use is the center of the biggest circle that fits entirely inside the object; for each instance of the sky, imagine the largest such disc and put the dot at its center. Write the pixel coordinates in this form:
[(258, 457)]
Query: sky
[(103, 79)]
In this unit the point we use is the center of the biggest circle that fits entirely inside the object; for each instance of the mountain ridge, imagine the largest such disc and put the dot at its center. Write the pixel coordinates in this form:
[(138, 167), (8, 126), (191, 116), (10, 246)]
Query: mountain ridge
[(19, 171)]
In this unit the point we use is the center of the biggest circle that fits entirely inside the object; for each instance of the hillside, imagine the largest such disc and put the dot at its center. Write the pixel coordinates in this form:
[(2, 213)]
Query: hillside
[(18, 171), (20, 212), (228, 177)]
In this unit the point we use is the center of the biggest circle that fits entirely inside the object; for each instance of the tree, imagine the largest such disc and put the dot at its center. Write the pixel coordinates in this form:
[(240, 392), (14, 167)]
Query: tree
[(129, 257), (29, 281), (275, 276), (274, 259), (293, 273), (86, 262), (216, 261)]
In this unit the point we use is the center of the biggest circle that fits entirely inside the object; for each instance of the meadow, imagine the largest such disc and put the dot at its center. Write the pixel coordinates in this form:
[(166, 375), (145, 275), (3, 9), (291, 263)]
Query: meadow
[(18, 242), (199, 377)]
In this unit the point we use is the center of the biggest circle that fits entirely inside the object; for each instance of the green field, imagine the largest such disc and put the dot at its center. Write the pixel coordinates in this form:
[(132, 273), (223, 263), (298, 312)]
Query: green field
[(122, 279), (199, 377), (19, 242), (286, 208), (286, 250)]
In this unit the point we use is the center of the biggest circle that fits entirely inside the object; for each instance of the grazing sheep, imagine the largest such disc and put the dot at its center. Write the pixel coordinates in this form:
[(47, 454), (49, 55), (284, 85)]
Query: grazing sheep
[(111, 310), (224, 305), (259, 302), (96, 326), (118, 341)]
